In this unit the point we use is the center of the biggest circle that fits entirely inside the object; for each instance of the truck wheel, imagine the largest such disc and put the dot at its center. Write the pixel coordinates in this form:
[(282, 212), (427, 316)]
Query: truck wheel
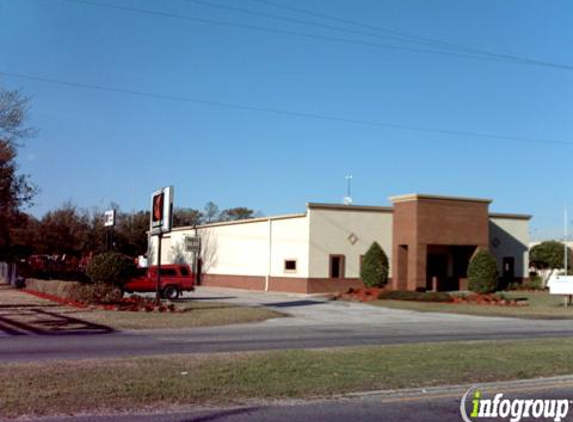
[(171, 292)]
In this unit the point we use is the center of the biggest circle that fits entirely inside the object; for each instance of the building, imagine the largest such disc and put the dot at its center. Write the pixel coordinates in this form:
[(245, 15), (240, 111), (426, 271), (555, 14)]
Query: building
[(429, 241)]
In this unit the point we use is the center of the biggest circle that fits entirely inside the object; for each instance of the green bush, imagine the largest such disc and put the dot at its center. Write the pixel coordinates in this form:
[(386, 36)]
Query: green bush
[(63, 289), (98, 293), (79, 292), (374, 272), (535, 283), (415, 296), (482, 273), (111, 268)]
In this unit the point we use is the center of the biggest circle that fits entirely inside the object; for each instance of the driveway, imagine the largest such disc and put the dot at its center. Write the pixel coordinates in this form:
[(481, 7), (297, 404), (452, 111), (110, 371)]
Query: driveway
[(317, 310)]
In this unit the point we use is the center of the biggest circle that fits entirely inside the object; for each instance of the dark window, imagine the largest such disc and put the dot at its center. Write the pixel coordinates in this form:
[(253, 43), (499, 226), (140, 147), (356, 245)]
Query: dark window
[(170, 272), (336, 266), (290, 265), (184, 271)]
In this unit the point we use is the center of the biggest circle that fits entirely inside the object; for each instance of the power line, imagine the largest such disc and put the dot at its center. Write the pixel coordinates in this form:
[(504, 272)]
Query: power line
[(411, 37), (400, 38), (308, 35), (314, 116)]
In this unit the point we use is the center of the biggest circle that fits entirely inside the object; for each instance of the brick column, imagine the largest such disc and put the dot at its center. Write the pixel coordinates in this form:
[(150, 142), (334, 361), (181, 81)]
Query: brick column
[(417, 266)]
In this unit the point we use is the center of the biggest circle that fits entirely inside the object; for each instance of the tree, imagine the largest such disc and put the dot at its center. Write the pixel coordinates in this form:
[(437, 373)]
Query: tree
[(65, 231), (374, 271), (183, 217), (211, 212), (482, 273), (549, 256), (16, 191), (237, 213)]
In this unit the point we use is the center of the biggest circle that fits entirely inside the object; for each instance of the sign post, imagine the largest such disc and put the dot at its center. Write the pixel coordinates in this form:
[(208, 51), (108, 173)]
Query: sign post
[(193, 244), (109, 223), (160, 223)]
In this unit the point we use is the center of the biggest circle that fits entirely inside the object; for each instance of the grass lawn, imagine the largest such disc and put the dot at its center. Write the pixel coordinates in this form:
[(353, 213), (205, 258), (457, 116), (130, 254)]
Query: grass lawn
[(33, 313), (218, 379), (540, 305), (197, 314)]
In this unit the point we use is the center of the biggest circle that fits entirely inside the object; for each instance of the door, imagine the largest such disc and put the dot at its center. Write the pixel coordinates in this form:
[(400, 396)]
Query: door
[(509, 268), (437, 267)]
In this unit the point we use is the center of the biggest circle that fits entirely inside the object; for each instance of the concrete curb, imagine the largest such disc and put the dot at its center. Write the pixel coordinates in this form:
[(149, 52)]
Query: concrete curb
[(456, 390)]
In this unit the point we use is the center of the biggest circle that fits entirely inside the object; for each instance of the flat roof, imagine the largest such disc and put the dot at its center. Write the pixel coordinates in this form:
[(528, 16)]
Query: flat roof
[(234, 222), (510, 216), (417, 196), (342, 207)]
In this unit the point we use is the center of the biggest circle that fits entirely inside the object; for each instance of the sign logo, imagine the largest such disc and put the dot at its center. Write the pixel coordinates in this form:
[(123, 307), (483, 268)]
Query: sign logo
[(474, 406), (161, 211)]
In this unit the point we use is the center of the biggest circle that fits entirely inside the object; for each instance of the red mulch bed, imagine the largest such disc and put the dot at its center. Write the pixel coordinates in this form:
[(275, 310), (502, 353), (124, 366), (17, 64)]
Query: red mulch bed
[(56, 299), (130, 304), (360, 295)]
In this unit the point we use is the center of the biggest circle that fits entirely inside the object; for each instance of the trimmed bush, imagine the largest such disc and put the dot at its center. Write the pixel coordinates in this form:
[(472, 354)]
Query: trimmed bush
[(535, 283), (374, 272), (482, 273), (99, 293), (63, 289), (415, 296), (111, 268)]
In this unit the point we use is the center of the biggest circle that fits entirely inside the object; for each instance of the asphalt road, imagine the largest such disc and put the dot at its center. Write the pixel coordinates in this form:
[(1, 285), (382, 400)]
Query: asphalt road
[(436, 404)]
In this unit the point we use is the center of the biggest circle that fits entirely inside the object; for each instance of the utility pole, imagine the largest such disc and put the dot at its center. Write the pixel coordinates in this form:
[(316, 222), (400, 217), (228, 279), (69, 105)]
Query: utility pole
[(565, 254)]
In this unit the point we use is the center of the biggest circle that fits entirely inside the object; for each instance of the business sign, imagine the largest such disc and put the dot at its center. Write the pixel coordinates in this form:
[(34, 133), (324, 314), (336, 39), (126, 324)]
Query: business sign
[(109, 218), (192, 243), (161, 211)]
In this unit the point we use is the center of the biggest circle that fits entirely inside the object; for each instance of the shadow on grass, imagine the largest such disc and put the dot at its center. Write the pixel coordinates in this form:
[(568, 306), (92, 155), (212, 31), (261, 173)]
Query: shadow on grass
[(223, 414), (25, 320)]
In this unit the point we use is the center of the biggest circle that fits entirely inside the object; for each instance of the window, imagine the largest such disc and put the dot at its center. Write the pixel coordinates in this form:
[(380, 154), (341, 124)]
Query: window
[(290, 265), (184, 271), (169, 272), (336, 266)]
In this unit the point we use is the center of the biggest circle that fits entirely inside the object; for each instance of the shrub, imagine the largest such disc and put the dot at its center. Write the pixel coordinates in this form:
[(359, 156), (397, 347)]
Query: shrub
[(482, 273), (374, 272), (110, 268), (415, 296), (535, 283), (63, 289), (98, 293)]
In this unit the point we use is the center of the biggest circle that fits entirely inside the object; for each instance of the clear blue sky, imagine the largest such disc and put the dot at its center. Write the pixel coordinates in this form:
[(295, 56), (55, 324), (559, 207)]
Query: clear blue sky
[(95, 146)]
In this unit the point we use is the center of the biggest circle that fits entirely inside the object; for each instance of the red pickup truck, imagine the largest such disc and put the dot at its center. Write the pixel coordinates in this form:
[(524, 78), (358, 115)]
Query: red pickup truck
[(175, 278)]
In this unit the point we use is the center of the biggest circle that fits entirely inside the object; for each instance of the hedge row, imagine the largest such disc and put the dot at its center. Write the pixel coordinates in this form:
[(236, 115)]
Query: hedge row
[(75, 291), (415, 296)]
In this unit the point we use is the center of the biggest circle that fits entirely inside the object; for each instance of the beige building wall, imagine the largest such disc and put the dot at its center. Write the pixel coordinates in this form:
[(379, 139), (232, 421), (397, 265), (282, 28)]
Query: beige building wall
[(255, 247), (290, 241), (347, 231), (509, 236)]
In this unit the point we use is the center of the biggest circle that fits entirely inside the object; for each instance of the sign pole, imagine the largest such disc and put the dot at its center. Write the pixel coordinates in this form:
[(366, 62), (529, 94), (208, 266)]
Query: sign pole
[(158, 284)]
